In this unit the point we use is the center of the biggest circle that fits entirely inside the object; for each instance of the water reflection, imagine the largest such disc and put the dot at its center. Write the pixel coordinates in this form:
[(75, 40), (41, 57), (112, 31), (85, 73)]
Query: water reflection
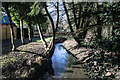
[(59, 60)]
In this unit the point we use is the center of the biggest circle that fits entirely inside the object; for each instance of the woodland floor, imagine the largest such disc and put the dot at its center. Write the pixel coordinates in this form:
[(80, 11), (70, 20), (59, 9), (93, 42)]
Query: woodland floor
[(27, 61)]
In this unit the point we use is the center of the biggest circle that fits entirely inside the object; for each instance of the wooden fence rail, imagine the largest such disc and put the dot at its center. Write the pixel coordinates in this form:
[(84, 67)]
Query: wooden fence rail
[(6, 35)]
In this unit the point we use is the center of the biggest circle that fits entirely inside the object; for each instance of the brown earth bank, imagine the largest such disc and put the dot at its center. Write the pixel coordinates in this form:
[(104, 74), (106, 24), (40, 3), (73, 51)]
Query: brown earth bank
[(96, 63), (27, 62)]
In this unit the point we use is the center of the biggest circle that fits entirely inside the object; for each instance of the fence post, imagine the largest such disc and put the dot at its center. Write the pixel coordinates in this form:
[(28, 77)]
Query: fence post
[(6, 32)]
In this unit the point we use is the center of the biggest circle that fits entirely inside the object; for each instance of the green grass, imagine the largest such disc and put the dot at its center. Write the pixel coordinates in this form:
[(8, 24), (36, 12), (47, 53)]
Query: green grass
[(39, 40)]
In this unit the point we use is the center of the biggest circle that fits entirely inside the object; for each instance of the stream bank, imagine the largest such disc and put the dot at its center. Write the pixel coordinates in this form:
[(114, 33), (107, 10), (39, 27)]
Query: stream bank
[(65, 65), (27, 62), (98, 64)]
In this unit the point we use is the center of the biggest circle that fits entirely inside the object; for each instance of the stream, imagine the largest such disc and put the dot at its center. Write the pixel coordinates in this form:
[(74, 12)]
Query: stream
[(63, 65), (59, 60)]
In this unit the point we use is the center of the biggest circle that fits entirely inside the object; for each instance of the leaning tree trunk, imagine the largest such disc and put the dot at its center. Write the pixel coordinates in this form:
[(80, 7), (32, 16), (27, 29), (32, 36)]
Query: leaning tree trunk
[(11, 29), (75, 17), (99, 31), (99, 28), (52, 43), (42, 37), (66, 11), (57, 17), (21, 31), (30, 32)]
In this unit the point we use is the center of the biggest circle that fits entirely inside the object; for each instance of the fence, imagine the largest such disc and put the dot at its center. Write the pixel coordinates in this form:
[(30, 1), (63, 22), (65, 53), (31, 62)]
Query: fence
[(6, 32), (6, 35)]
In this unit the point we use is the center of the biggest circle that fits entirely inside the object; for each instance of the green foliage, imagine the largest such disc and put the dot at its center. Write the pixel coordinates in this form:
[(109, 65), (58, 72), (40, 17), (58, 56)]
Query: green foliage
[(27, 11), (110, 44), (32, 68), (36, 16), (35, 9), (15, 18)]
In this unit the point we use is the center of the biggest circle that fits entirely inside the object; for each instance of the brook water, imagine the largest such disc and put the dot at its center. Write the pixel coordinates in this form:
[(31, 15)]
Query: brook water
[(59, 60), (63, 65)]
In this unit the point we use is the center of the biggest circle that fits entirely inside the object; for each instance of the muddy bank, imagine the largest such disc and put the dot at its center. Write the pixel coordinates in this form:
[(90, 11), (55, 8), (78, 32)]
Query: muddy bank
[(28, 61), (77, 51), (98, 64)]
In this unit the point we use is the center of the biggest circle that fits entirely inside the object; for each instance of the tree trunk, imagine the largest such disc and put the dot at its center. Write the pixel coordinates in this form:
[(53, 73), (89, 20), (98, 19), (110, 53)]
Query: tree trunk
[(57, 16), (21, 31), (42, 37), (75, 18), (99, 29), (30, 32), (76, 38), (70, 25), (11, 29), (52, 45), (82, 23), (79, 17)]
